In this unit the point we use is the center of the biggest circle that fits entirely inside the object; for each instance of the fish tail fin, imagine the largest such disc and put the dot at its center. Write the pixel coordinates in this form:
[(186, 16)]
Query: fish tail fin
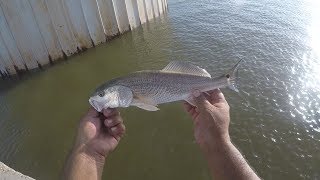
[(233, 77)]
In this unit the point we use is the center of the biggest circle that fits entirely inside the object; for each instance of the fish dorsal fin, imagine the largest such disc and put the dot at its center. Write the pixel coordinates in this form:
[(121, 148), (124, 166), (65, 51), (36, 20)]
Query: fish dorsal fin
[(185, 68)]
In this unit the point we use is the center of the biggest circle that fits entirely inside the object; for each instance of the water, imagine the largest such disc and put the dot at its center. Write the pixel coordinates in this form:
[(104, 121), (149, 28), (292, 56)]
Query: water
[(275, 117)]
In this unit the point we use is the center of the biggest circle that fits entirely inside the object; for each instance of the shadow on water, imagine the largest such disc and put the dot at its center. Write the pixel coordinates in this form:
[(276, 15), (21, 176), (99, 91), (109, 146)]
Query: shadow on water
[(8, 83)]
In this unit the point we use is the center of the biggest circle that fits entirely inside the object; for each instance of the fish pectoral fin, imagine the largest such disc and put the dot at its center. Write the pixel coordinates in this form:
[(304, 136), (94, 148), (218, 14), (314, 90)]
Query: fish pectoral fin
[(144, 103), (185, 68), (147, 107)]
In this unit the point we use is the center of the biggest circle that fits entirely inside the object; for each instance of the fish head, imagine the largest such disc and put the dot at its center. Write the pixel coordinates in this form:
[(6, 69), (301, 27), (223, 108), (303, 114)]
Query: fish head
[(111, 97)]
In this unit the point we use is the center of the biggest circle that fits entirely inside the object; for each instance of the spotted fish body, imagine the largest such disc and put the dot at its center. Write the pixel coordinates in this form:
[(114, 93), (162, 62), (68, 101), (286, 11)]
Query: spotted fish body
[(147, 89)]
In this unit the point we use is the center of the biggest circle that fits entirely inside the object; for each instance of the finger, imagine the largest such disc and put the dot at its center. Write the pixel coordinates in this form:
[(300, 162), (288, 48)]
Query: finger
[(201, 102), (110, 112), (192, 111), (217, 90), (188, 107), (217, 96), (207, 95), (118, 130), (92, 112), (110, 122)]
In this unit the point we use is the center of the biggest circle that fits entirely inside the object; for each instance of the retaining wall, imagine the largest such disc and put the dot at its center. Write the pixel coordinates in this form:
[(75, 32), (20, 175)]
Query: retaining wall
[(34, 33), (6, 173)]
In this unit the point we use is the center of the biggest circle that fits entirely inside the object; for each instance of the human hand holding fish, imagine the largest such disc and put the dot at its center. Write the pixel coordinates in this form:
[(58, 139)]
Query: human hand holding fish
[(177, 81), (98, 135), (210, 117)]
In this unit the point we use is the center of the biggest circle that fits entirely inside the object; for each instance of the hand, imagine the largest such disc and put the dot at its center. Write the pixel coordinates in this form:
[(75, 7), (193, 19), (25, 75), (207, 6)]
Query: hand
[(99, 133), (210, 117), (211, 123)]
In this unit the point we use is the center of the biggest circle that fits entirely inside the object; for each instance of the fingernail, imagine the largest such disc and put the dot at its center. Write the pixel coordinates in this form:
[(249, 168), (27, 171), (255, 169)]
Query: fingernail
[(109, 121), (196, 93), (113, 128), (108, 111)]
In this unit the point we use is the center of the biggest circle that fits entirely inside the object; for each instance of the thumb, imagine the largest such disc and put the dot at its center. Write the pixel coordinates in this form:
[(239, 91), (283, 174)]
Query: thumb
[(201, 101)]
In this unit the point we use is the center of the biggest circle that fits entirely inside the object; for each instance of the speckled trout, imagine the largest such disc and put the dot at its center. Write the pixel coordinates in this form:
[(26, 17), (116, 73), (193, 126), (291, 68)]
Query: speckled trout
[(147, 89)]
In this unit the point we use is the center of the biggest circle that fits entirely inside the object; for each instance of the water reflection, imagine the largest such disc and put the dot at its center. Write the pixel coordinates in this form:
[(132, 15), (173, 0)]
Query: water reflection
[(304, 99)]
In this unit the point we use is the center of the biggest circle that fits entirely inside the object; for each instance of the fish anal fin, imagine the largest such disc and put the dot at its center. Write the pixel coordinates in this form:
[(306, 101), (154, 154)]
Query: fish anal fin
[(144, 103), (185, 68), (147, 107)]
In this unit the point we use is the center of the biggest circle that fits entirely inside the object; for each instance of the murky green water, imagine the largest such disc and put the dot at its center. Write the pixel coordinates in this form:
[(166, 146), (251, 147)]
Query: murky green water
[(275, 118)]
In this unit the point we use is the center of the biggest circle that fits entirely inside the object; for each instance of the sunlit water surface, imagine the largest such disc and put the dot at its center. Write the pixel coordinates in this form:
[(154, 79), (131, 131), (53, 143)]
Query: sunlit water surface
[(275, 119)]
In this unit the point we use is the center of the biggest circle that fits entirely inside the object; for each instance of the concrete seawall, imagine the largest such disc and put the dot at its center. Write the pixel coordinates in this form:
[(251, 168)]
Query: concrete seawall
[(34, 33), (6, 173)]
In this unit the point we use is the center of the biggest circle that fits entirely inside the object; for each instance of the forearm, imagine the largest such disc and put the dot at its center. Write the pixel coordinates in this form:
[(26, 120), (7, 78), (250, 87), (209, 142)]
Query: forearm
[(81, 166), (226, 162)]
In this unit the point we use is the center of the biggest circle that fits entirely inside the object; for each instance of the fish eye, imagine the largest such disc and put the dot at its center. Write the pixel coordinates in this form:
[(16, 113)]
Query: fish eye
[(101, 94), (227, 75)]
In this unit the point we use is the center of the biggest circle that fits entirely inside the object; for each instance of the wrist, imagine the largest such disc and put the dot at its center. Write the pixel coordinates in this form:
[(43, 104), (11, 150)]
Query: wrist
[(215, 144), (83, 165), (88, 155)]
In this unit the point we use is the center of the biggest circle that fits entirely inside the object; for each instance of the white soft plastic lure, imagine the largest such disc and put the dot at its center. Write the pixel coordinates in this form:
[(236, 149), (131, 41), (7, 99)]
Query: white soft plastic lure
[(147, 89)]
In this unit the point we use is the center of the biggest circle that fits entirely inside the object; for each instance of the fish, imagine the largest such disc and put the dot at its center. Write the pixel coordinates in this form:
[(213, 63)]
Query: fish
[(148, 88)]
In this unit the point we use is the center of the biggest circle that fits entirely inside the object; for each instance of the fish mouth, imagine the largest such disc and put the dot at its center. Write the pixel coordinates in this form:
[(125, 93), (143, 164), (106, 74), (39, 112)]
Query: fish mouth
[(95, 104)]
